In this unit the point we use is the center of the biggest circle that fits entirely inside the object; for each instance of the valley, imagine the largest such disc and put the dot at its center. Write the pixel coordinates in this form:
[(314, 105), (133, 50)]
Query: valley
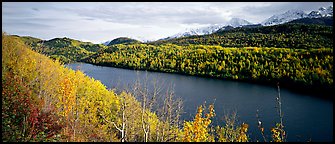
[(222, 79), (298, 56)]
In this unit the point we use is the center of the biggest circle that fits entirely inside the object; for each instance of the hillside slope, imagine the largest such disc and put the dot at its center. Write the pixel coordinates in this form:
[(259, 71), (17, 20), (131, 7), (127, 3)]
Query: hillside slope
[(297, 69), (64, 49), (44, 101), (123, 40), (327, 21), (293, 36)]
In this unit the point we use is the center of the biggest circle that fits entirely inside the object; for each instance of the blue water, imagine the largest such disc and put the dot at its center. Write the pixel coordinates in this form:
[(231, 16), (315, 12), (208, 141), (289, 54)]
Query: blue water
[(305, 118)]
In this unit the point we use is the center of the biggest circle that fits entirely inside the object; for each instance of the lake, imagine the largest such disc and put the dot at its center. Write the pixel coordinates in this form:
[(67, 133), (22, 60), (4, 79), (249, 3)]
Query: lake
[(305, 117)]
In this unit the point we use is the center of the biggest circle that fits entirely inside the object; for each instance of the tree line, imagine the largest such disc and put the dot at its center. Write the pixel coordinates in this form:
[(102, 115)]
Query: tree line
[(297, 55), (44, 101), (295, 68), (294, 36)]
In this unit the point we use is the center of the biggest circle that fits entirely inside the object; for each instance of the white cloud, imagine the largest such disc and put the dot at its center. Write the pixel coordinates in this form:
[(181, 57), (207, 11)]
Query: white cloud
[(100, 22)]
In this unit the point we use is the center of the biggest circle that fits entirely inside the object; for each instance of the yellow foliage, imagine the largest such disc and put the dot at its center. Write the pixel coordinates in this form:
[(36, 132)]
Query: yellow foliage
[(67, 96), (81, 101), (197, 131), (278, 133)]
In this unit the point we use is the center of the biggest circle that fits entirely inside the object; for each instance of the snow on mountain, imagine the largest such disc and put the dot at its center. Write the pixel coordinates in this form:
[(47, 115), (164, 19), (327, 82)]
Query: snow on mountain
[(273, 20), (237, 22), (234, 22), (285, 17), (198, 31), (321, 12), (297, 14)]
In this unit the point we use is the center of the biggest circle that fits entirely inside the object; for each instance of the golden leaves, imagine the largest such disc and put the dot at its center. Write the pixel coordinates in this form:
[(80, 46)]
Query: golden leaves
[(67, 96), (278, 133), (197, 131)]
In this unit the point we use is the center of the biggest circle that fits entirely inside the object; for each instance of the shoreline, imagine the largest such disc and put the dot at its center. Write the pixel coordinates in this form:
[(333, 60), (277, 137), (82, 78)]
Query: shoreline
[(326, 93)]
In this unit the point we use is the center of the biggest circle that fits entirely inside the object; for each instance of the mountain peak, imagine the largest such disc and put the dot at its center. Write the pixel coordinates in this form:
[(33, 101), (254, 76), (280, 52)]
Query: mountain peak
[(288, 16), (322, 8), (198, 31), (321, 12), (285, 17), (234, 22), (237, 22)]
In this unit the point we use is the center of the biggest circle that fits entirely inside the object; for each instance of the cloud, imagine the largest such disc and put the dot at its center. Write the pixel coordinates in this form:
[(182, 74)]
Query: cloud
[(27, 25), (155, 13), (259, 13), (104, 21)]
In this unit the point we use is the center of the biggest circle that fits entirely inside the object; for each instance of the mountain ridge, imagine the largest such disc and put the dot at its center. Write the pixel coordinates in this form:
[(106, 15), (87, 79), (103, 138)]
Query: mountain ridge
[(295, 14), (288, 16), (234, 22)]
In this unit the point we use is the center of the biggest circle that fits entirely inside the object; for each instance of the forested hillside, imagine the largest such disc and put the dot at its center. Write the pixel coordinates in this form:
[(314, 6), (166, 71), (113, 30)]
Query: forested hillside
[(296, 68), (64, 49), (327, 21), (123, 40), (299, 56), (172, 72), (44, 101), (294, 36)]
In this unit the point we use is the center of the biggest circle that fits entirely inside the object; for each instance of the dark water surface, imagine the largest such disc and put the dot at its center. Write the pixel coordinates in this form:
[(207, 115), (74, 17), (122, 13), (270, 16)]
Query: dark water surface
[(305, 117)]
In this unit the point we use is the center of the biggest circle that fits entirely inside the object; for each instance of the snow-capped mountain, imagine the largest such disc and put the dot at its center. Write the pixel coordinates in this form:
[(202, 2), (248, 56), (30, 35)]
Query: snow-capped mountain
[(321, 12), (237, 22), (285, 17), (198, 31), (297, 14), (273, 20), (234, 22)]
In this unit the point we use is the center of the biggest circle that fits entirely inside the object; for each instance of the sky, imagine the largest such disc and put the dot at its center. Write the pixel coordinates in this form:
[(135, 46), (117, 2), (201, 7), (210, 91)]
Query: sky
[(99, 22)]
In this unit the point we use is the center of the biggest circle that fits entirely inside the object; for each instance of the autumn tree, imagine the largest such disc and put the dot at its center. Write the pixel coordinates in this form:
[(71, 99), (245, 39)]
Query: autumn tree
[(198, 130)]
